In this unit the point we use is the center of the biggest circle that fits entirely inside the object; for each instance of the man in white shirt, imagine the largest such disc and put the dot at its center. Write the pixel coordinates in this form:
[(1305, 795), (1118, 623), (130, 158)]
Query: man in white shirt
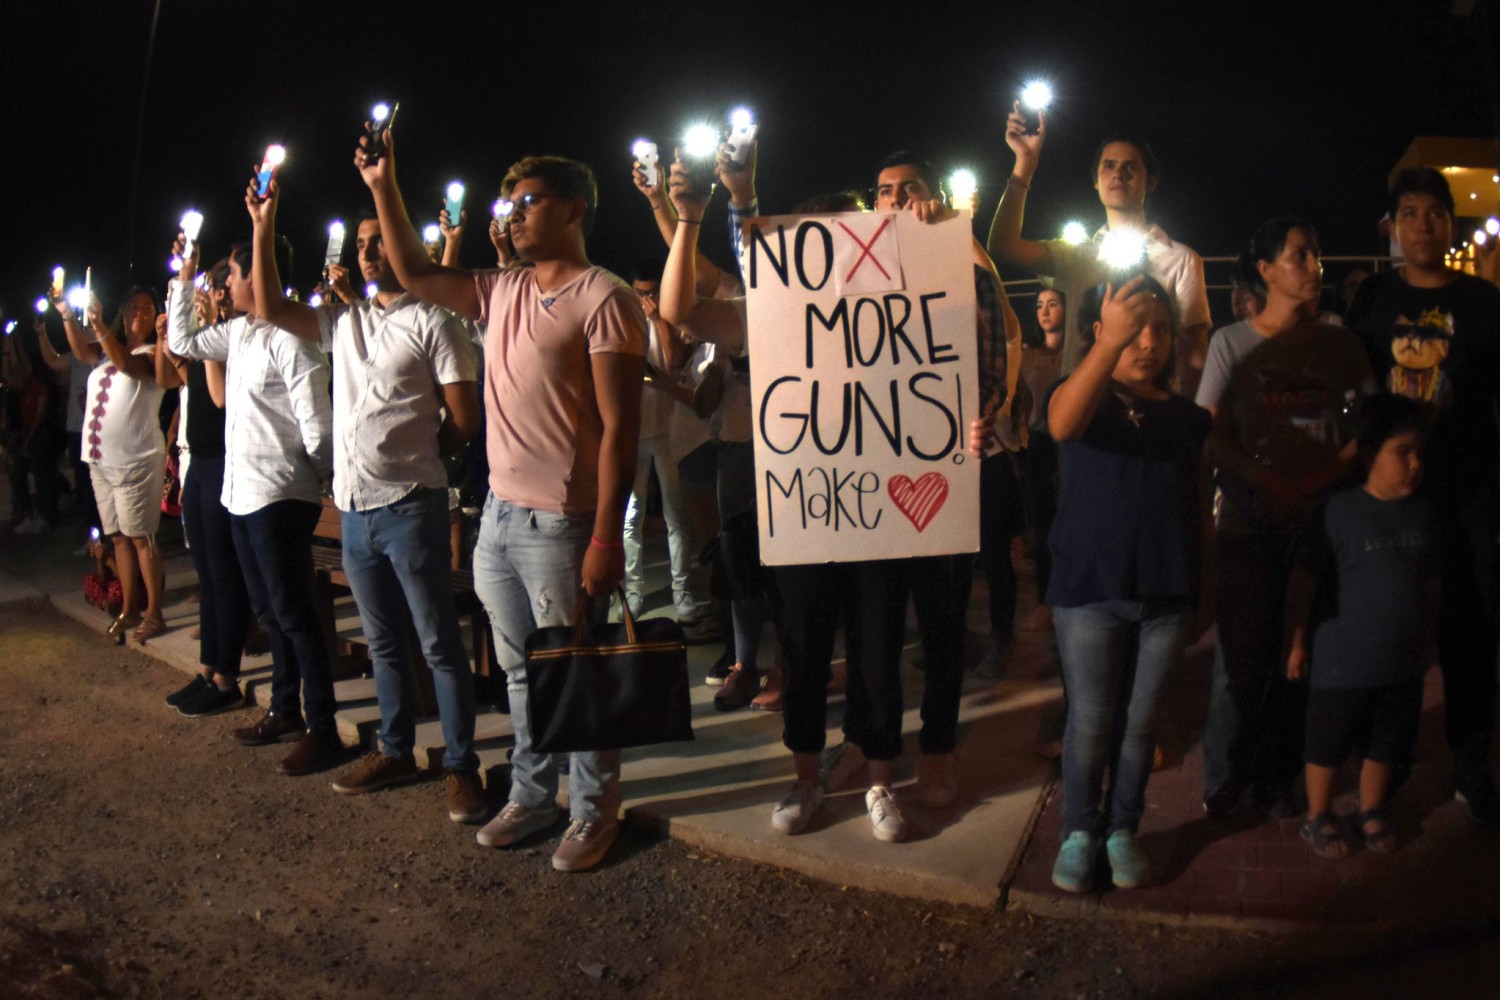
[(1125, 172), (564, 343), (404, 386), (278, 446)]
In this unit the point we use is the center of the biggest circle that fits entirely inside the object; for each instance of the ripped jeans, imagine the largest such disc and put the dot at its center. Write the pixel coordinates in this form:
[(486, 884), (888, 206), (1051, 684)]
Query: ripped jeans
[(528, 570)]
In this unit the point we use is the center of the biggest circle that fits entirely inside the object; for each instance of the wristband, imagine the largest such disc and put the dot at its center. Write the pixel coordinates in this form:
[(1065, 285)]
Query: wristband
[(691, 222), (599, 542), (1014, 181)]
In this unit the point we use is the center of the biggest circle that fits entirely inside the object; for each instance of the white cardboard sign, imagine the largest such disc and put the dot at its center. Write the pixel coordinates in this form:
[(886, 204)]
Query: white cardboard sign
[(863, 383)]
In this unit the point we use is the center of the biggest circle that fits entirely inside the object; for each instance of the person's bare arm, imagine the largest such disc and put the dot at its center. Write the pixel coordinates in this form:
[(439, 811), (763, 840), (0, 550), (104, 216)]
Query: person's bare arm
[(1300, 588), (452, 288), (213, 372), (296, 318), (141, 366), (453, 236), (665, 217), (1005, 241), (81, 344), (1076, 401), (50, 356), (461, 399), (171, 371), (617, 387)]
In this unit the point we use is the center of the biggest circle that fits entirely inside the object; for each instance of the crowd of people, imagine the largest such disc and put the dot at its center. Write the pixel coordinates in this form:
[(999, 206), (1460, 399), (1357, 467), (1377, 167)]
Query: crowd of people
[(1316, 492)]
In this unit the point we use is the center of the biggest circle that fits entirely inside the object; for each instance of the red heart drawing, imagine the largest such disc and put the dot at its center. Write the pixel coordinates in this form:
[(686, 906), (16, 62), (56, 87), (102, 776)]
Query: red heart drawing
[(921, 500)]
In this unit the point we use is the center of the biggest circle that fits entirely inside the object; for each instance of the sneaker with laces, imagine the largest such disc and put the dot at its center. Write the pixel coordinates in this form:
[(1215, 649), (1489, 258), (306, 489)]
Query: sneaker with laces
[(720, 669), (885, 815), (843, 766), (210, 699), (937, 780), (465, 795), (181, 694), (585, 844), (516, 823), (795, 811), (1129, 868), (1074, 869), (375, 771)]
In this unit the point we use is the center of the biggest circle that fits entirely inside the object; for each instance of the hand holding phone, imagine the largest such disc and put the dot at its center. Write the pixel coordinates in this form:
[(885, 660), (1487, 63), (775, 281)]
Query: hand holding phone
[(382, 119), (742, 132), (646, 158), (266, 173)]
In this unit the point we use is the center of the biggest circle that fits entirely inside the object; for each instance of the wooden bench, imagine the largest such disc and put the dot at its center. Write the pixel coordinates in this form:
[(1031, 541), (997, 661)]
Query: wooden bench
[(351, 656)]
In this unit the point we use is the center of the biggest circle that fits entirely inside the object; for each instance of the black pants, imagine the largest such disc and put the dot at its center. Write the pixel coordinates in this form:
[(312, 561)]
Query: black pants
[(1039, 489), (1001, 518), (1467, 636), (870, 597), (274, 545), (940, 591), (222, 600)]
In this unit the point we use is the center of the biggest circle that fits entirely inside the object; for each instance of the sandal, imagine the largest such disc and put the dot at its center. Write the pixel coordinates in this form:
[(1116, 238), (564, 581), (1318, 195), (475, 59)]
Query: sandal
[(1383, 839), (1323, 835), (117, 629), (149, 628)]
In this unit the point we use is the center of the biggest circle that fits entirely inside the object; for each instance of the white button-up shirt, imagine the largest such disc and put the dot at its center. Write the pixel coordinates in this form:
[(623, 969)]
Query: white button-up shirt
[(389, 367), (278, 422)]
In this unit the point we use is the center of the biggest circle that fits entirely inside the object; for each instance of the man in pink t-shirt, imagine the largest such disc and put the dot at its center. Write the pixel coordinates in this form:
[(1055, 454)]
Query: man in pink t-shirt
[(564, 354)]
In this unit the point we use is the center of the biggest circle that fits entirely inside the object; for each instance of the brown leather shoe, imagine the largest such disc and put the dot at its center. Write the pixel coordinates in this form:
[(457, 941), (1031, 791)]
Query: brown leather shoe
[(771, 697), (316, 750), (739, 688), (269, 728)]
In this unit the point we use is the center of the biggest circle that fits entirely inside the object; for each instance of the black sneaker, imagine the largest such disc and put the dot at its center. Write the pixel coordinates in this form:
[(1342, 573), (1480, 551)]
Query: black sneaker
[(209, 700), (1476, 791), (1225, 799), (187, 690), (720, 669)]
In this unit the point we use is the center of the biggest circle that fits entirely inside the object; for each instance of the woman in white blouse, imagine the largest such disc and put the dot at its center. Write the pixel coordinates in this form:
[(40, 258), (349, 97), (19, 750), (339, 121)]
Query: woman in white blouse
[(124, 448)]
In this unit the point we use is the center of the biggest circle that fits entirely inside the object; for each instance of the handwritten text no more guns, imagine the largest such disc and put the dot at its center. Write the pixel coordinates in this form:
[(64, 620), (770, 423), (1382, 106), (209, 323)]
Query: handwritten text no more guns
[(863, 381)]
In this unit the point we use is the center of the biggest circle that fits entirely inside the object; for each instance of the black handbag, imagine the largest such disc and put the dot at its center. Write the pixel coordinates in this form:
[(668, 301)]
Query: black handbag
[(607, 686)]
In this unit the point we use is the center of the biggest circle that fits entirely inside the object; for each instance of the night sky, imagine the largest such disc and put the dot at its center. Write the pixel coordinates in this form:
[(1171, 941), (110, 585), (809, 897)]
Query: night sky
[(1254, 109)]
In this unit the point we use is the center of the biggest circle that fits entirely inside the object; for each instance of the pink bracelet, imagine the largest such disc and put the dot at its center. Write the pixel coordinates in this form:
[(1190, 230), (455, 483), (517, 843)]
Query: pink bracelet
[(596, 540)]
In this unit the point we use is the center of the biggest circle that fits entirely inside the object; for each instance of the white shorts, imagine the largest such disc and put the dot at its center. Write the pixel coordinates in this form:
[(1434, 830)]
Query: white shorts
[(129, 496)]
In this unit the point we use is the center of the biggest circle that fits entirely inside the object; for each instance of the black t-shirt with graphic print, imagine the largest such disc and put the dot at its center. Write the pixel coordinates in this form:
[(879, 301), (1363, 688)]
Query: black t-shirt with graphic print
[(1440, 346)]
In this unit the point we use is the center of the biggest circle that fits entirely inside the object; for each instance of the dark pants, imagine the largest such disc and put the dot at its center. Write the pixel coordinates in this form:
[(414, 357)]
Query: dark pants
[(1255, 715), (1001, 518), (940, 591), (1467, 635), (871, 599), (222, 600), (38, 458), (1039, 490), (274, 544)]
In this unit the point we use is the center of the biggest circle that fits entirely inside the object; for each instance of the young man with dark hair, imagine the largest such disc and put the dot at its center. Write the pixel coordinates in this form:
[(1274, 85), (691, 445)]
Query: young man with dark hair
[(564, 342), (278, 453), (1125, 173), (404, 395), (1433, 334)]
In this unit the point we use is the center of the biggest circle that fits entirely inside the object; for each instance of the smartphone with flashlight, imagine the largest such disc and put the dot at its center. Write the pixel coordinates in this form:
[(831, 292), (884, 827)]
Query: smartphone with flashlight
[(1036, 97), (646, 156), (269, 167), (742, 129), (454, 203), (382, 119)]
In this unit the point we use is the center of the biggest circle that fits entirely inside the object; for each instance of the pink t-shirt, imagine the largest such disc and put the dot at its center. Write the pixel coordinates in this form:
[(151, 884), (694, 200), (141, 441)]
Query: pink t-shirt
[(543, 426)]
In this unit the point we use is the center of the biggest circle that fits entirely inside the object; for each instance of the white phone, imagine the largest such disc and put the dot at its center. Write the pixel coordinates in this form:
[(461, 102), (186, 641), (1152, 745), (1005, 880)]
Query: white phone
[(742, 130), (645, 155)]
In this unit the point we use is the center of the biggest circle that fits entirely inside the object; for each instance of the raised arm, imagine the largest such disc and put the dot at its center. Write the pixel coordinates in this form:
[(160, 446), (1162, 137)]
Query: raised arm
[(50, 357), (185, 337), (1005, 240), (665, 216), (449, 287), (679, 279), (139, 366), (453, 236), (82, 346), (1074, 403), (271, 303)]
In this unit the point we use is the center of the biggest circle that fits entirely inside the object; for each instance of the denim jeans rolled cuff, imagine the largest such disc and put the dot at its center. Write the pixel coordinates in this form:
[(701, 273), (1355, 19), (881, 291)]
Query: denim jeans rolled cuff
[(528, 571), (1116, 658), (398, 561), (940, 594)]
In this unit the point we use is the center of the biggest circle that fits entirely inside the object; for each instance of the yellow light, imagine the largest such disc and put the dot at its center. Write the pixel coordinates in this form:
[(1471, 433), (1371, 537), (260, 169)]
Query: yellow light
[(700, 142), (1473, 196), (1074, 234), (1123, 249), (57, 277)]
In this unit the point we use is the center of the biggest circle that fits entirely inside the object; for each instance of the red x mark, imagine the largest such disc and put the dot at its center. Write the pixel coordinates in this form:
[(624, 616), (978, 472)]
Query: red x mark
[(865, 250)]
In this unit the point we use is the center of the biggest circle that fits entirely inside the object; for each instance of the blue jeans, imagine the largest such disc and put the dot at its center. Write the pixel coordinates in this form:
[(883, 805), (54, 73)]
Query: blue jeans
[(682, 547), (528, 571), (398, 558), (1116, 655), (275, 549)]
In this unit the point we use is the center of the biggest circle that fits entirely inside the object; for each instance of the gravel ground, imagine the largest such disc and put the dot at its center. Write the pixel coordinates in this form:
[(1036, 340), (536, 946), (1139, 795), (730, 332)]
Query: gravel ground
[(147, 855)]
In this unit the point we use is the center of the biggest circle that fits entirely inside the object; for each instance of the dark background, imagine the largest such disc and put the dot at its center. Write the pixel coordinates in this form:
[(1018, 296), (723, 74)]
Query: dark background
[(1254, 109)]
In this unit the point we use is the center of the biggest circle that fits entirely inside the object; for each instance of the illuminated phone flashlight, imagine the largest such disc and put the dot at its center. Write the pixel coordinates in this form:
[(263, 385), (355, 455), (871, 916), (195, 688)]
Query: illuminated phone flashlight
[(315, 300), (78, 298), (1480, 236), (455, 205), (742, 129), (431, 233), (964, 187), (10, 328), (1492, 226), (335, 248), (378, 114), (644, 151), (1036, 95), (371, 290), (1074, 234), (203, 282), (275, 156), (502, 208), (93, 534), (192, 225), (700, 142), (57, 279), (1123, 249), (41, 305), (290, 293), (174, 263)]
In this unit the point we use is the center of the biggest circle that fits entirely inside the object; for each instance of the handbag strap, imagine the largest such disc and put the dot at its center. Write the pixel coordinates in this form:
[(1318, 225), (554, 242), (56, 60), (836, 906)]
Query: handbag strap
[(585, 612)]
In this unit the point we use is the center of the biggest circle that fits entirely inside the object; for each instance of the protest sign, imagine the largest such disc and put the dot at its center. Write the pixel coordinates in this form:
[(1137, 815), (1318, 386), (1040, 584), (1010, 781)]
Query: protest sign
[(863, 382)]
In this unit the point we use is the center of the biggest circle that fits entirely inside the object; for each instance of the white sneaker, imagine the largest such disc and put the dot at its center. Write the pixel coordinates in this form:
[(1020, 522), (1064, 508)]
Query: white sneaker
[(795, 812), (885, 815), (843, 766), (515, 823)]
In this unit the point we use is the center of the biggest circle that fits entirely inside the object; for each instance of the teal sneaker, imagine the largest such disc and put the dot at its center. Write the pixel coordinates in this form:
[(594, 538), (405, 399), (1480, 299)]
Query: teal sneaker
[(1129, 867), (1074, 870)]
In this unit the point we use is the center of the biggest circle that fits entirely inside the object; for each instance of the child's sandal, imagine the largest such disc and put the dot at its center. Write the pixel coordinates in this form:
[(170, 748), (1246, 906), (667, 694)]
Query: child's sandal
[(1323, 835), (1382, 840)]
